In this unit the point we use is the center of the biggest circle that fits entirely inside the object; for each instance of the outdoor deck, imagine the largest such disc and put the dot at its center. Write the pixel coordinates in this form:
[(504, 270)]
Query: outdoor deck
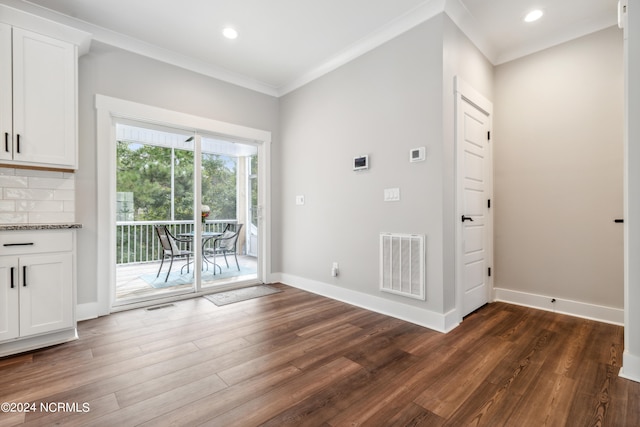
[(137, 280)]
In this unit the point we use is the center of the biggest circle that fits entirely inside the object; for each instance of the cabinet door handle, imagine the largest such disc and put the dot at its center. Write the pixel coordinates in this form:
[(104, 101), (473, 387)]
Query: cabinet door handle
[(24, 276), (18, 142), (18, 244), (12, 268), (6, 142)]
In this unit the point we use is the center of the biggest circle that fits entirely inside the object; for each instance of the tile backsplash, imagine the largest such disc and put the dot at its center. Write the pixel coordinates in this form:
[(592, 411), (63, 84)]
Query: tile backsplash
[(36, 197)]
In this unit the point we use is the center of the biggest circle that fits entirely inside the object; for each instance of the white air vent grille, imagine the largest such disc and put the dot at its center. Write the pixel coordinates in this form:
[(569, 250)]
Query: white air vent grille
[(402, 264)]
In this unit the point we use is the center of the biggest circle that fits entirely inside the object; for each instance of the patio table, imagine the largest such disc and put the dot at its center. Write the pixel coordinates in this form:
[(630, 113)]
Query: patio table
[(206, 236)]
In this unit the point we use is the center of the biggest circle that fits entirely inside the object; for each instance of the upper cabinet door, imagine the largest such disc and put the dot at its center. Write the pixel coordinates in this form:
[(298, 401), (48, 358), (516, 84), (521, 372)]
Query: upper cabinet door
[(44, 100), (6, 91)]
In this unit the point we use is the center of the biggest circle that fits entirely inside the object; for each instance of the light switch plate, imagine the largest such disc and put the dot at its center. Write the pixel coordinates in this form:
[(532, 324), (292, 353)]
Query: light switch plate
[(300, 200), (391, 194)]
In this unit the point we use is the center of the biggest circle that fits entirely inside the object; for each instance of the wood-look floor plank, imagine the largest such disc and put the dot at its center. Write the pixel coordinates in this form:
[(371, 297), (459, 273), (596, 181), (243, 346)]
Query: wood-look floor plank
[(50, 382), (9, 419), (283, 355), (202, 410), (547, 404), (409, 416), (160, 404), (298, 359), (444, 397), (259, 410)]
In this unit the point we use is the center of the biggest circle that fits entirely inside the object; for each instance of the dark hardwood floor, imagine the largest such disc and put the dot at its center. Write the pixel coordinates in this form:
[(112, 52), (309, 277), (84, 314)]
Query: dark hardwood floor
[(298, 359)]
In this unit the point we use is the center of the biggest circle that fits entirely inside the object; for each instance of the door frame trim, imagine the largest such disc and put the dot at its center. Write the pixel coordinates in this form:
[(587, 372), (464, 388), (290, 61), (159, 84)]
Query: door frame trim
[(109, 109), (466, 93)]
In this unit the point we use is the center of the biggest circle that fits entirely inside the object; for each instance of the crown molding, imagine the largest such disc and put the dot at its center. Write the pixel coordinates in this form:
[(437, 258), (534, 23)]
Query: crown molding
[(131, 44), (19, 18), (456, 11), (400, 25), (463, 19), (570, 33), (425, 11)]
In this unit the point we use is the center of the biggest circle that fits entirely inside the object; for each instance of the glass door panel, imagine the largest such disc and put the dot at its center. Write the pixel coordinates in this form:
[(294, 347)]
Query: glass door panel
[(154, 188), (252, 230), (226, 198)]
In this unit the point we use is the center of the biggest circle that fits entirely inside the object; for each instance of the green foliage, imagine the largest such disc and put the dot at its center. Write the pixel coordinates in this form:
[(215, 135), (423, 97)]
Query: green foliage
[(145, 171), (219, 185), (254, 190)]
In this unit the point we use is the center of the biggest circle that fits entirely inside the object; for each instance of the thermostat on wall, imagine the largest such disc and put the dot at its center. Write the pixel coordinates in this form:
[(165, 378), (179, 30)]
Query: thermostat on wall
[(417, 154), (361, 162)]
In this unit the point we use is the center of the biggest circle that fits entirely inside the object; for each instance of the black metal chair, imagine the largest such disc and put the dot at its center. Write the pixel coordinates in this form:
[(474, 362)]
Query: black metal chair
[(169, 245), (227, 243)]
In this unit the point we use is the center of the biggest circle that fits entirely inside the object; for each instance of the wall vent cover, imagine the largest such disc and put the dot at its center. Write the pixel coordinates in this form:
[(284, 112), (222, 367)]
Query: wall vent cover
[(402, 264)]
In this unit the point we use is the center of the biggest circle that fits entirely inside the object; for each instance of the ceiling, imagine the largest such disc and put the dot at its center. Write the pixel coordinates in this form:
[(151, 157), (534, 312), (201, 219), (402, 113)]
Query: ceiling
[(284, 44)]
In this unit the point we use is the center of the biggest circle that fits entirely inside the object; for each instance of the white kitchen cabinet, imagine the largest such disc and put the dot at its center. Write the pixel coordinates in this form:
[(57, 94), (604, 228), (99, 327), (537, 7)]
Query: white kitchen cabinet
[(9, 302), (39, 92), (37, 289)]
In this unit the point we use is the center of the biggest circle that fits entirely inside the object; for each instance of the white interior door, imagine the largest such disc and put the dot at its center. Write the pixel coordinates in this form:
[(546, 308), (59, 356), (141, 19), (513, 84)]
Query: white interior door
[(474, 194)]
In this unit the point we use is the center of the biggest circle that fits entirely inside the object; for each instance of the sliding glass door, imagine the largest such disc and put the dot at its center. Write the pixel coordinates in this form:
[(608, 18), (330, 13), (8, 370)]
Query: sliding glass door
[(183, 205)]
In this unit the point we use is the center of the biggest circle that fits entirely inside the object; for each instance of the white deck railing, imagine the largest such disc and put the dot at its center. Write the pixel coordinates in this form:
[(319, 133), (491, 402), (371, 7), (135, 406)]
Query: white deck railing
[(136, 241)]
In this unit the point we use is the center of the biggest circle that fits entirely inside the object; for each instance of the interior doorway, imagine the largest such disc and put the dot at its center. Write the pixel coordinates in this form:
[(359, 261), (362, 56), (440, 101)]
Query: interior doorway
[(474, 190)]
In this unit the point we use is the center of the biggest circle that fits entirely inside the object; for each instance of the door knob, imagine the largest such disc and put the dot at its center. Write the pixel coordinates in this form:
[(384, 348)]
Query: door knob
[(466, 218)]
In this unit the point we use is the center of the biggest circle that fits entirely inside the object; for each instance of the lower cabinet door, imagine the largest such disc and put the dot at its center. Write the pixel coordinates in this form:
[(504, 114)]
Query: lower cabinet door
[(9, 298), (46, 293)]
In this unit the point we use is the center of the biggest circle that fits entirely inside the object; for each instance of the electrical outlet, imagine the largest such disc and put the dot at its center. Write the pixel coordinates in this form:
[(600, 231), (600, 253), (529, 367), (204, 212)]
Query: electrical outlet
[(300, 200), (334, 269)]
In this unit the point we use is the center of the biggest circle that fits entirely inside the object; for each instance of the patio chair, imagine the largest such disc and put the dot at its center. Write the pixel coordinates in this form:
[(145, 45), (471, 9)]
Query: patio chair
[(170, 248), (227, 243)]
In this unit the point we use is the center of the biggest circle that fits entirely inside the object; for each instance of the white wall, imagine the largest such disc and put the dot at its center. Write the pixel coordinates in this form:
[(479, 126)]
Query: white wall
[(120, 74), (383, 104), (463, 60), (558, 152), (631, 357)]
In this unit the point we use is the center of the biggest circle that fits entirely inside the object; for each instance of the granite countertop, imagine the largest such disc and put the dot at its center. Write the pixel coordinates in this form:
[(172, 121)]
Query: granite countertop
[(16, 227)]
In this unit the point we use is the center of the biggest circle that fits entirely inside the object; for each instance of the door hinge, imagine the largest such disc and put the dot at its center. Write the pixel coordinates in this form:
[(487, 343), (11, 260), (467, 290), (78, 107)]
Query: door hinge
[(489, 271), (489, 203)]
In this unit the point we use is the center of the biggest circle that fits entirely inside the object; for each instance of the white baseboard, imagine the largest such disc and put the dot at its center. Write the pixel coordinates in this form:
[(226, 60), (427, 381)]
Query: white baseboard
[(87, 311), (429, 319), (572, 308)]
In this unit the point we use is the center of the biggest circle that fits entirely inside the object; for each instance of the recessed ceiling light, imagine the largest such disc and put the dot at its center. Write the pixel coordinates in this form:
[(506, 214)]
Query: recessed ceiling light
[(534, 15), (230, 33)]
